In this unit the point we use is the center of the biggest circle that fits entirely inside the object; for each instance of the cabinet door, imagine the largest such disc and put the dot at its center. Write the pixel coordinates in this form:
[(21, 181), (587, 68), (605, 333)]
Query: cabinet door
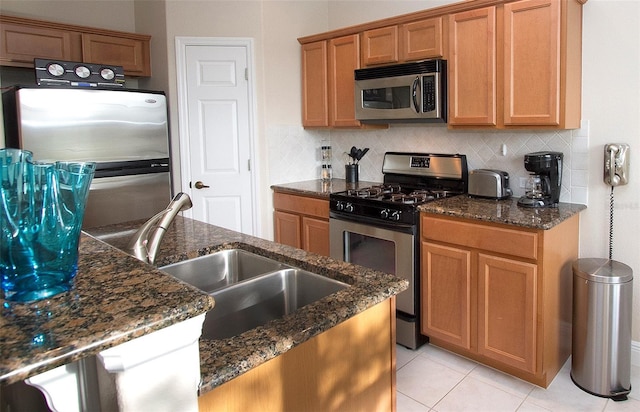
[(131, 54), (532, 62), (344, 58), (507, 311), (421, 40), (21, 44), (315, 235), (315, 106), (380, 46), (472, 67), (287, 228), (447, 290)]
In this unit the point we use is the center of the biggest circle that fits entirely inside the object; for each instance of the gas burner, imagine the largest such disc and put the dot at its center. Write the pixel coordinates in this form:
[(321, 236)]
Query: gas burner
[(439, 194), (387, 189)]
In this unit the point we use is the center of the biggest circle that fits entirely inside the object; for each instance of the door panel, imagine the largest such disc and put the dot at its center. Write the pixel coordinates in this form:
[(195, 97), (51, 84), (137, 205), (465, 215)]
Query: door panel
[(447, 291), (507, 311), (219, 134)]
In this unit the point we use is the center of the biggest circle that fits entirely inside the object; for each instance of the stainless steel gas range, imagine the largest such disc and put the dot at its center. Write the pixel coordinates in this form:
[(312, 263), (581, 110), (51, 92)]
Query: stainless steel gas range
[(378, 226)]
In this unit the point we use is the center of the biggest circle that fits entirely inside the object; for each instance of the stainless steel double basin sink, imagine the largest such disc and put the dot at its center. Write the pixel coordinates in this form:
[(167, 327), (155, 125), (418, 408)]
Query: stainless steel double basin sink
[(250, 290)]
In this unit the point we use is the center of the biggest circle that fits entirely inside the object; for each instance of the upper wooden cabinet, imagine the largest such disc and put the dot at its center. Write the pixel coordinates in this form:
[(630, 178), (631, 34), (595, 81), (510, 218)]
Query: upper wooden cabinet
[(416, 40), (421, 39), (511, 63), (380, 46), (315, 97), (532, 63), (344, 58), (26, 39), (328, 83), (472, 67), (517, 64), (131, 54)]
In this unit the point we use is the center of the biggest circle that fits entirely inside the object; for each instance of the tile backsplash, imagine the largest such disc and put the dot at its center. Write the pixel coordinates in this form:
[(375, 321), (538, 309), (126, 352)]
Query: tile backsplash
[(294, 153)]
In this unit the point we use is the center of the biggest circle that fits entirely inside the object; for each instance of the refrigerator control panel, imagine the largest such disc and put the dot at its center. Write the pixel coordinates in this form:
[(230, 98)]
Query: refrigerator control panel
[(78, 74)]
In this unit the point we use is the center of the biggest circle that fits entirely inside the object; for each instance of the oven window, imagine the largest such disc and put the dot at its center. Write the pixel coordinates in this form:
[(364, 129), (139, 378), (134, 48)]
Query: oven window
[(387, 98), (371, 252)]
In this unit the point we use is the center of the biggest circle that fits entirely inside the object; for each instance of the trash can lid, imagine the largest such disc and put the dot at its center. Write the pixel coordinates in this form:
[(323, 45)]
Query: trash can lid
[(602, 270)]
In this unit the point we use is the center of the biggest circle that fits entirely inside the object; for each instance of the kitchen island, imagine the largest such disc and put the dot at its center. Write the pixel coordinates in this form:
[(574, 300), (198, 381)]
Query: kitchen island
[(117, 299)]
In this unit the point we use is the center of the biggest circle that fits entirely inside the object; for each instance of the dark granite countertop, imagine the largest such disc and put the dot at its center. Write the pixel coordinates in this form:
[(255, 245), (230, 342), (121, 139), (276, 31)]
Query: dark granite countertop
[(225, 359), (496, 211), (318, 188), (504, 211), (115, 299)]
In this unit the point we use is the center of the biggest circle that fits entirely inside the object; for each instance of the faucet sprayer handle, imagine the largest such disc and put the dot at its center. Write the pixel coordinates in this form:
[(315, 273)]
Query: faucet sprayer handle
[(181, 199)]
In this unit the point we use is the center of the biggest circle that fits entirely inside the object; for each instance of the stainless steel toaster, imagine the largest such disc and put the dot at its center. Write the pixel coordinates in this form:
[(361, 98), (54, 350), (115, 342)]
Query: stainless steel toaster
[(489, 183)]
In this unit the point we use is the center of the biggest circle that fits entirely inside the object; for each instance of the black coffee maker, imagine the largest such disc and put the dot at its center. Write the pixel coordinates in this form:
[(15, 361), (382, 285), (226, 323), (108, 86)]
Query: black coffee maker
[(543, 186)]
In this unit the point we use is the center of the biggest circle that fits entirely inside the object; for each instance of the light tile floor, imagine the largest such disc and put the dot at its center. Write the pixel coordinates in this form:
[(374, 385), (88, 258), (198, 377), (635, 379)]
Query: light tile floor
[(432, 379)]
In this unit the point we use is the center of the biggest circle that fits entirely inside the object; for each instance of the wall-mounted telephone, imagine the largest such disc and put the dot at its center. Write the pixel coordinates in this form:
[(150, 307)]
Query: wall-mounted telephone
[(616, 164)]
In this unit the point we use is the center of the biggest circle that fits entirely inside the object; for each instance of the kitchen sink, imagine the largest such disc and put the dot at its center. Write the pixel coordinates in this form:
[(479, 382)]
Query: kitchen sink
[(255, 302), (249, 290), (221, 269)]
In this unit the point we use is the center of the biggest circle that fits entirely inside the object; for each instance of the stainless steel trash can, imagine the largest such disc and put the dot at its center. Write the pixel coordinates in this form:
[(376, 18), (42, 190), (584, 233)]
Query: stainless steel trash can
[(602, 307)]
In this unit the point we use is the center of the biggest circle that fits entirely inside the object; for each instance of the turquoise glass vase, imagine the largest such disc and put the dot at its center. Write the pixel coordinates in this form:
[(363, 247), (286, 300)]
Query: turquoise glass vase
[(41, 210)]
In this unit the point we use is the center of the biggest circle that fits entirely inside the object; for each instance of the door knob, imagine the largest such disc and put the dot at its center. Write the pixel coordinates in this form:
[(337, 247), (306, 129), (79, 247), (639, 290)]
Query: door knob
[(200, 185)]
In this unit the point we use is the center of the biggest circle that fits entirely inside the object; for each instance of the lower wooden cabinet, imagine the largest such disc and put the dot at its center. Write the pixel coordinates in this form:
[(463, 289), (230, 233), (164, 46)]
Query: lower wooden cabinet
[(499, 294), (301, 222), (351, 367)]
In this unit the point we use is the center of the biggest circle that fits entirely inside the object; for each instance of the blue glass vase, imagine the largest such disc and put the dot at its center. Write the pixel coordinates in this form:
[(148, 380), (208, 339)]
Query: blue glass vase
[(41, 211)]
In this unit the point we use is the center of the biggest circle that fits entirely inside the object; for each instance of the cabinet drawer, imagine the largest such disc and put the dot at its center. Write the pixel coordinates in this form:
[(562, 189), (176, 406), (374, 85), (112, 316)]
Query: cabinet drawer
[(301, 204), (497, 239)]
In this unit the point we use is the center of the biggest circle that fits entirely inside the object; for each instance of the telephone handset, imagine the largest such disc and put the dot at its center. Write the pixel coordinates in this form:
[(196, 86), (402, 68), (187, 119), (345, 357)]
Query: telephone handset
[(616, 164)]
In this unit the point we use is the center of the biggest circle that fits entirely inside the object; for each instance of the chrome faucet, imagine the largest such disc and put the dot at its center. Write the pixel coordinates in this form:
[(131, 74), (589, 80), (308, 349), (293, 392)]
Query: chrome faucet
[(145, 245)]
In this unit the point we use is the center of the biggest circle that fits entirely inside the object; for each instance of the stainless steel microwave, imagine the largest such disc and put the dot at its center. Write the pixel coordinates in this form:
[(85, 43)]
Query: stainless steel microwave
[(402, 93)]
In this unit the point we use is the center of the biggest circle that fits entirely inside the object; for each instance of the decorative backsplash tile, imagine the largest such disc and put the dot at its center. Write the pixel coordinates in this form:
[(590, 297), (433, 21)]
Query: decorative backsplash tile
[(294, 153)]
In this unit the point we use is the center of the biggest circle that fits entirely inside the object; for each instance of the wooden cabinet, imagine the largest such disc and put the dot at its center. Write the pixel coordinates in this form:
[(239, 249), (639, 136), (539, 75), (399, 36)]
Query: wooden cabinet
[(472, 68), (498, 294), (26, 39), (512, 64), (328, 83), (416, 40), (351, 367), (532, 62), (421, 39), (21, 44), (315, 90), (516, 65), (132, 54), (447, 282), (344, 58), (301, 222), (380, 46)]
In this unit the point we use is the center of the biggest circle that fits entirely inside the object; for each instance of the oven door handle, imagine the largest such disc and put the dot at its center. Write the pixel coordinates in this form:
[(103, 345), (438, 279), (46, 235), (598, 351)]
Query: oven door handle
[(393, 226)]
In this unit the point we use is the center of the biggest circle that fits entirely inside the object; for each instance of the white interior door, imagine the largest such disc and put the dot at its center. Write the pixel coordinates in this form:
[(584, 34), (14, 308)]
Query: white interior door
[(216, 131)]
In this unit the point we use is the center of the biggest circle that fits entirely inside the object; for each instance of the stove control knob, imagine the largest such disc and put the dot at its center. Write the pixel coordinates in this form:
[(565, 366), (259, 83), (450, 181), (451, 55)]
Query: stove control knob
[(395, 215), (348, 207), (384, 213)]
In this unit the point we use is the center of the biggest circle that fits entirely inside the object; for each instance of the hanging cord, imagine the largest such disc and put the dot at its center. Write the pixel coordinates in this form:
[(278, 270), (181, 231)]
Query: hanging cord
[(611, 224)]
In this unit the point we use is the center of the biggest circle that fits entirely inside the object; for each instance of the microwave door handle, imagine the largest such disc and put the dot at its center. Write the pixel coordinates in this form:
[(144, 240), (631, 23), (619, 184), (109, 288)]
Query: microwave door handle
[(414, 94)]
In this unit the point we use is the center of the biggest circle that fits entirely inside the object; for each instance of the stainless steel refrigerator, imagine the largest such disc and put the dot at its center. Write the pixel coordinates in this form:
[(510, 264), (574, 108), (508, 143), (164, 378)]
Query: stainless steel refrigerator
[(125, 131)]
